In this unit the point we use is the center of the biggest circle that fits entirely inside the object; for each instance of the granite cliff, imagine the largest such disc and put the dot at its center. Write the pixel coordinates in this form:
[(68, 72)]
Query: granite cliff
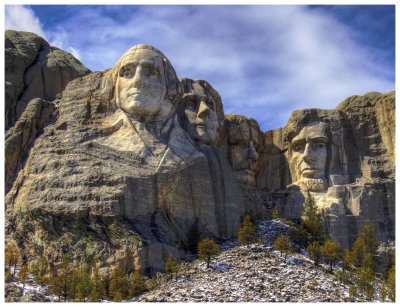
[(128, 159)]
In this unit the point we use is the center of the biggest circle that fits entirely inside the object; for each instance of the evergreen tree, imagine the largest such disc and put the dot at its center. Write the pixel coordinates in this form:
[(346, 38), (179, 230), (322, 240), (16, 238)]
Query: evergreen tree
[(137, 284), (314, 250), (347, 260), (61, 283), (207, 248), (83, 283), (330, 250), (282, 244), (392, 283), (275, 213), (365, 278), (193, 238), (247, 231), (23, 274), (11, 256), (299, 236), (172, 267), (365, 246), (383, 292), (39, 269), (312, 219), (98, 286), (119, 288)]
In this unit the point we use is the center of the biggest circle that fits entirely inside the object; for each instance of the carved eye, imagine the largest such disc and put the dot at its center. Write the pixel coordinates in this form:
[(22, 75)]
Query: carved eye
[(127, 74), (298, 147), (321, 145)]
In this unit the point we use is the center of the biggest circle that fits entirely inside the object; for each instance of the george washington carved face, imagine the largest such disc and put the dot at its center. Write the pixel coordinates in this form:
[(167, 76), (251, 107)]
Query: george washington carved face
[(146, 84)]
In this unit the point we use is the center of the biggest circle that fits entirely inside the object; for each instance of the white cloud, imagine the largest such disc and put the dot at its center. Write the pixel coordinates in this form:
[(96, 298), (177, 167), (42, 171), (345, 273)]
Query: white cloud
[(266, 61), (21, 18)]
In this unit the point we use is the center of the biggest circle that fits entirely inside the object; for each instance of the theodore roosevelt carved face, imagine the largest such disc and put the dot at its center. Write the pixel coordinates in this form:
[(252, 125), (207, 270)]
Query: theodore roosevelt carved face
[(243, 146)]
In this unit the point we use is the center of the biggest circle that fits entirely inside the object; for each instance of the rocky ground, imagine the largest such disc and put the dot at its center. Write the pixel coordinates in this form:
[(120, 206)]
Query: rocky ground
[(252, 274), (255, 273)]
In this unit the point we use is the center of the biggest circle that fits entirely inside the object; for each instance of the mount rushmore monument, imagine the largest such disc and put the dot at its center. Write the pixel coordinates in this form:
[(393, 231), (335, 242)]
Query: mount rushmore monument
[(118, 165)]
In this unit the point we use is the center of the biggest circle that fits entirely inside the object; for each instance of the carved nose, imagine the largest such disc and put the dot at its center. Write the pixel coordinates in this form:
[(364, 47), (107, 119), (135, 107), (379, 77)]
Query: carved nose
[(308, 156), (204, 110), (253, 155), (138, 78)]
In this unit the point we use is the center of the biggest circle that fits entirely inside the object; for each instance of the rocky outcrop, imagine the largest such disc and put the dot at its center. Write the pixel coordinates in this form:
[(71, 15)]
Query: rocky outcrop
[(34, 69), (356, 184), (133, 158), (20, 138)]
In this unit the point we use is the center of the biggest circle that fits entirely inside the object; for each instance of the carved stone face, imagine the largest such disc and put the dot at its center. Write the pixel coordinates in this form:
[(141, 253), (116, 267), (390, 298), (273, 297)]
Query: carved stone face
[(309, 152), (244, 142), (141, 86), (200, 112)]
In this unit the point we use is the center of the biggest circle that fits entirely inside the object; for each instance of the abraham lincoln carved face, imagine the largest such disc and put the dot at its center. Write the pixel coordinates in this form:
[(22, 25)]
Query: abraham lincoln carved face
[(308, 154)]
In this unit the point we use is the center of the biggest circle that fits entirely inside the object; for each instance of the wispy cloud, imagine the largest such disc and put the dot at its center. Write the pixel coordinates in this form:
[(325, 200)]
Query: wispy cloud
[(265, 61), (21, 18)]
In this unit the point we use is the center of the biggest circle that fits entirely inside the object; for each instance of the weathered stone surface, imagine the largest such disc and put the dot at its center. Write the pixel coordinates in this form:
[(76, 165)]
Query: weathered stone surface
[(134, 157), (34, 69), (20, 137), (348, 165), (125, 185)]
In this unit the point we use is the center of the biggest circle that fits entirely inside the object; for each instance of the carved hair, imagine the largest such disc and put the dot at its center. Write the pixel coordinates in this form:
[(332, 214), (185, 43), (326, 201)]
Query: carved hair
[(174, 88)]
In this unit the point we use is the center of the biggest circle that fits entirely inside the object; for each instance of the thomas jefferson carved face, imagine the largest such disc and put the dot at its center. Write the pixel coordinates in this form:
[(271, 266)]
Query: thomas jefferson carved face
[(141, 85), (308, 156), (200, 113), (244, 142)]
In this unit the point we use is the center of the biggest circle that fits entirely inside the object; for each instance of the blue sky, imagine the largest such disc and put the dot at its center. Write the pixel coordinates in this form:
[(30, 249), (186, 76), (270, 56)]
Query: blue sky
[(266, 61)]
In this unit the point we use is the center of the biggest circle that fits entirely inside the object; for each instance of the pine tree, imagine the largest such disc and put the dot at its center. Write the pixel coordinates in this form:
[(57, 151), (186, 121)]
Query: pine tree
[(275, 213), (83, 283), (282, 244), (137, 284), (383, 292), (330, 250), (365, 246), (247, 231), (207, 248), (39, 269), (314, 250), (312, 219), (193, 238), (299, 236), (23, 274), (365, 278), (171, 267), (61, 283), (11, 256), (119, 288), (98, 287), (392, 283), (347, 260)]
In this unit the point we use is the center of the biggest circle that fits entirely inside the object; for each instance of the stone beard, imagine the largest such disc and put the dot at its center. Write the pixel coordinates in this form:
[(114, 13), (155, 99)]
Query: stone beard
[(307, 158)]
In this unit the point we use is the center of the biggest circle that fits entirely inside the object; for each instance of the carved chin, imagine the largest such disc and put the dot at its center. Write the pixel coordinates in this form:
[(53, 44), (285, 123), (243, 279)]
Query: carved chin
[(203, 135), (246, 177)]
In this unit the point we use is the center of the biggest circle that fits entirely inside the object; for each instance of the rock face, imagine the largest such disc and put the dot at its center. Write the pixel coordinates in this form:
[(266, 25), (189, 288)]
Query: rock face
[(345, 157), (34, 69), (133, 157), (20, 138)]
